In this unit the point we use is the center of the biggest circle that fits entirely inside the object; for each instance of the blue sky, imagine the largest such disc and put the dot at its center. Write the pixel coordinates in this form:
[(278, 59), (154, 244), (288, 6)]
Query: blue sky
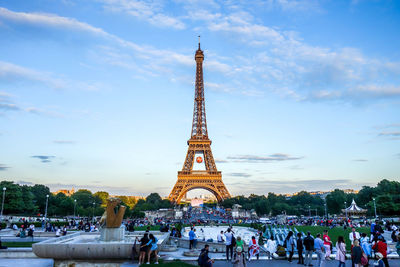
[(300, 95)]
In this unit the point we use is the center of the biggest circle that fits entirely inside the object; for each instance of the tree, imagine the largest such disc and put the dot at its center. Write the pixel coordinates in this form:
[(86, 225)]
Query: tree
[(365, 195), (28, 199), (335, 201), (13, 202), (84, 198), (103, 196), (39, 192)]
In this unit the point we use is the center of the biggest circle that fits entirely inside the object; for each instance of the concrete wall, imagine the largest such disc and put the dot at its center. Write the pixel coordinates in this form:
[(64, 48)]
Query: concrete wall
[(63, 248)]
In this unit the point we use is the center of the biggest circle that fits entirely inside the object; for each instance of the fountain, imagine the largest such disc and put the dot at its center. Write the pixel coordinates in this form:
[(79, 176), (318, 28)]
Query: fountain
[(111, 243)]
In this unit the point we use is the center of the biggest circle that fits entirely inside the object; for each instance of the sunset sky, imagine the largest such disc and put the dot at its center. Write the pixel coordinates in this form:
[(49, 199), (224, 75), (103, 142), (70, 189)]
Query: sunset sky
[(300, 95)]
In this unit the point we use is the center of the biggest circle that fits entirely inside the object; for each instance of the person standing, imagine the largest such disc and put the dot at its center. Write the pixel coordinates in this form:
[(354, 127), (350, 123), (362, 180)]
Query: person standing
[(356, 253), (153, 248), (192, 238), (254, 249), (327, 244), (381, 247), (300, 248), (353, 235), (372, 229), (366, 245), (341, 251), (319, 249), (228, 243), (309, 247), (143, 248), (239, 243), (289, 241), (271, 247), (239, 260)]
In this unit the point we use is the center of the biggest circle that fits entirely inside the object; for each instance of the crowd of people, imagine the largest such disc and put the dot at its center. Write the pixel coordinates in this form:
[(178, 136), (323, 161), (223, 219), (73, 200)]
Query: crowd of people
[(363, 247)]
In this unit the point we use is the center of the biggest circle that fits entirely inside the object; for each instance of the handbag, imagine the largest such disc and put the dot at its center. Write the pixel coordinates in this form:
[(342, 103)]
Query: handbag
[(364, 258), (344, 253)]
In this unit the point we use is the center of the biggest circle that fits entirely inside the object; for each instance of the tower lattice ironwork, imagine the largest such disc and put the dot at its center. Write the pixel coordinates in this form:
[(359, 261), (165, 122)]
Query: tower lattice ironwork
[(200, 147)]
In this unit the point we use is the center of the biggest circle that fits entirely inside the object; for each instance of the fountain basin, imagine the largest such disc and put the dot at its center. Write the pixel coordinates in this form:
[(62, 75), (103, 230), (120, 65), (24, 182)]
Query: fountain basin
[(88, 246)]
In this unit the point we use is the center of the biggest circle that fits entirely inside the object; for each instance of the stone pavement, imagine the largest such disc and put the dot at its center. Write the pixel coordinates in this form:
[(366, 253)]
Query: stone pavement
[(26, 262)]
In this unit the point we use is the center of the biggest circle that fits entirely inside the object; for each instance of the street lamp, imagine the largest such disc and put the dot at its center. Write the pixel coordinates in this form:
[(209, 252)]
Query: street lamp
[(309, 211), (93, 211), (2, 203), (47, 203), (326, 214), (345, 208), (74, 207), (374, 207)]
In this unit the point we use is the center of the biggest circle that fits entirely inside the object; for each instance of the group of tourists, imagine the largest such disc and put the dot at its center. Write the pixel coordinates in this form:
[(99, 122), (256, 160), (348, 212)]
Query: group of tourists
[(363, 248), (235, 249), (148, 246)]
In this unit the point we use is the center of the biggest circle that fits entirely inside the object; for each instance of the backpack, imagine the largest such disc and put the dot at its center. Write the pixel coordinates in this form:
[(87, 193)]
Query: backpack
[(200, 259), (233, 242)]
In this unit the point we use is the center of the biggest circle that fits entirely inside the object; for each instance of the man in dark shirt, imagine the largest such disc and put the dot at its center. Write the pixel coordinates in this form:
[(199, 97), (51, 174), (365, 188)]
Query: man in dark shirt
[(299, 243), (309, 246), (204, 260)]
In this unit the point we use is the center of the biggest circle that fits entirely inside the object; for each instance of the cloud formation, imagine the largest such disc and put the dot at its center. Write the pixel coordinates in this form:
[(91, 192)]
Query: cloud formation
[(4, 167), (239, 174), (5, 100), (64, 142), (44, 159), (10, 72), (149, 11), (393, 134), (258, 159)]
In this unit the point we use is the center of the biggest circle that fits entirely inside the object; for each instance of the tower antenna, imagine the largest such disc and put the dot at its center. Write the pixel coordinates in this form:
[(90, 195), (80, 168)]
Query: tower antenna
[(199, 41)]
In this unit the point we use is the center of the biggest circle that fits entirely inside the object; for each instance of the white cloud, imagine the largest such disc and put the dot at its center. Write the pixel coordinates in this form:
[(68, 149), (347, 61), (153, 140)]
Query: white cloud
[(12, 72), (149, 11), (49, 20)]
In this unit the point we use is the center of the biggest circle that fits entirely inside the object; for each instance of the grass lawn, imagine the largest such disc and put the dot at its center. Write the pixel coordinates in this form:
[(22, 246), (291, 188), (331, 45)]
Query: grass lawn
[(333, 233), (18, 244), (175, 263)]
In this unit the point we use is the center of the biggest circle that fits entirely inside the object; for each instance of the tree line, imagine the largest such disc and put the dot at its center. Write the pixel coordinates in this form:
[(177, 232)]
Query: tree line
[(386, 194), (31, 201)]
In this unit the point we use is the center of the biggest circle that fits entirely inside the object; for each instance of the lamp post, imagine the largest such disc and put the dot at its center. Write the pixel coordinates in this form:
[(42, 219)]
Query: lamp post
[(374, 207), (93, 211), (326, 214), (2, 203), (74, 207), (47, 203), (345, 208), (309, 211)]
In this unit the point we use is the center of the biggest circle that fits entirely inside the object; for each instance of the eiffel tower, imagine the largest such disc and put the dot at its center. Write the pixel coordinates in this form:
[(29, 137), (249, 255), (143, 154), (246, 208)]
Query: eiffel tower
[(199, 150)]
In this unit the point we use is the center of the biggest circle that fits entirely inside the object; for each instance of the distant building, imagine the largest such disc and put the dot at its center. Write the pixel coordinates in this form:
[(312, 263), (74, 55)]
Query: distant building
[(65, 192), (322, 194), (196, 202)]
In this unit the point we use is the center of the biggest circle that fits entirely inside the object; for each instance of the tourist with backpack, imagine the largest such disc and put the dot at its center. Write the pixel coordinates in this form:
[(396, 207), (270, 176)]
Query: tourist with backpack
[(289, 242), (309, 248), (204, 260)]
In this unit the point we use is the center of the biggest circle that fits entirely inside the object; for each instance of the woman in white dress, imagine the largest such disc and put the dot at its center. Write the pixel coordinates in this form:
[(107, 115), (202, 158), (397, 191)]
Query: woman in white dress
[(271, 247)]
